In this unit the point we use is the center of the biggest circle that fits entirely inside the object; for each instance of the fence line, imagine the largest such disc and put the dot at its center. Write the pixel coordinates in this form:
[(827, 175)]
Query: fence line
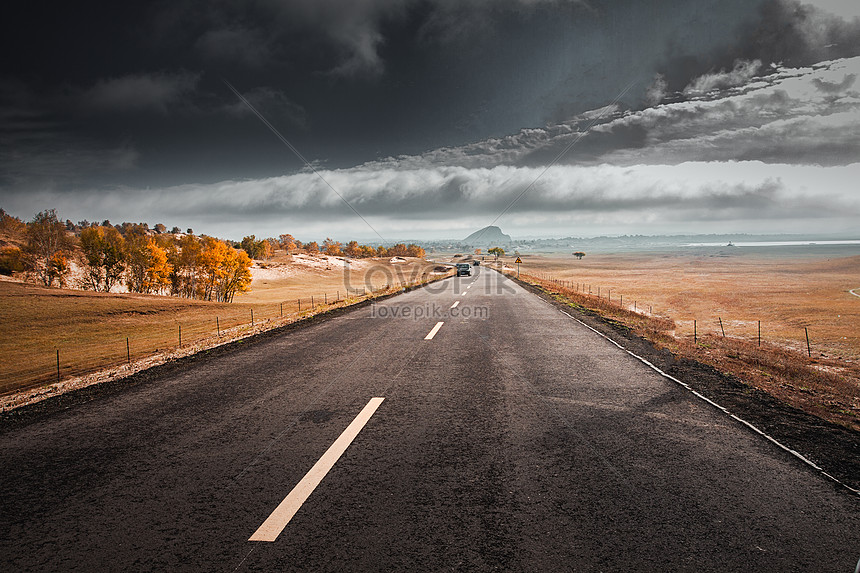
[(587, 291), (70, 359)]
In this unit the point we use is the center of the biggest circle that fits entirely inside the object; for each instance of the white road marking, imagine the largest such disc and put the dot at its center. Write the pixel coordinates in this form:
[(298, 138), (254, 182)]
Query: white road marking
[(434, 331), (464, 293), (854, 293), (455, 304), (278, 520)]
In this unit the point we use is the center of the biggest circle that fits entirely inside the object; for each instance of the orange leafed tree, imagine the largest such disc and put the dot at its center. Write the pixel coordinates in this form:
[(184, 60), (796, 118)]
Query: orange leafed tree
[(332, 247), (226, 270), (287, 242), (157, 275)]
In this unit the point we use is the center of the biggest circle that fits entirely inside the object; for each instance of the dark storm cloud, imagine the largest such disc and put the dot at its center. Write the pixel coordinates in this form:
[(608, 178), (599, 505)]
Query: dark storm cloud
[(788, 32), (123, 107)]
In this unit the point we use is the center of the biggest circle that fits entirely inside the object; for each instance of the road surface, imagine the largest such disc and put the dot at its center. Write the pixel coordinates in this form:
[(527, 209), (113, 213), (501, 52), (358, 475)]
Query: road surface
[(509, 437)]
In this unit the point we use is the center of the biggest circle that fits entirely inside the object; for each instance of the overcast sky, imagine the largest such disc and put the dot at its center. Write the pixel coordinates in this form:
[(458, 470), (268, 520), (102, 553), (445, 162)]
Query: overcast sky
[(433, 118)]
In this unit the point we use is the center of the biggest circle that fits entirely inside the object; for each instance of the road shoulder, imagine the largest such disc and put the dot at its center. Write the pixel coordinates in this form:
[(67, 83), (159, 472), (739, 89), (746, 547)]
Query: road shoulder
[(835, 449)]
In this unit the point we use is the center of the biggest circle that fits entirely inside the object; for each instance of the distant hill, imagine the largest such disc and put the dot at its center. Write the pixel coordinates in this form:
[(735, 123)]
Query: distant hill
[(491, 235)]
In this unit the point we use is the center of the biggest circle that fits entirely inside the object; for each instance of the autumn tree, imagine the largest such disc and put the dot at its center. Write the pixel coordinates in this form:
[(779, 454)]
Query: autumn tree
[(47, 243), (147, 268), (579, 255), (11, 260), (255, 249), (269, 246), (103, 256), (58, 269), (225, 270), (157, 276), (398, 250), (497, 252), (352, 249), (331, 247), (287, 242), (235, 276), (212, 257), (184, 258), (312, 247)]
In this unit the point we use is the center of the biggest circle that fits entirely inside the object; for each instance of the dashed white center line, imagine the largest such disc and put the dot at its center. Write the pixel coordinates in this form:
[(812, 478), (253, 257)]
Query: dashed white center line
[(434, 331), (464, 293), (455, 304), (278, 520)]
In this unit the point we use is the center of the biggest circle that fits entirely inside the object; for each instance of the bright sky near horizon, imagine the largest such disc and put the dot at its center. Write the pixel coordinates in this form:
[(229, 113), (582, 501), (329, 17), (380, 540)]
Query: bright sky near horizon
[(433, 119)]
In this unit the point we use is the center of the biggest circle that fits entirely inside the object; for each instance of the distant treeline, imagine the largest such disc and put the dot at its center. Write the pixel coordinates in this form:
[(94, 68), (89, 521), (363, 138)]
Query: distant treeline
[(179, 264), (153, 260)]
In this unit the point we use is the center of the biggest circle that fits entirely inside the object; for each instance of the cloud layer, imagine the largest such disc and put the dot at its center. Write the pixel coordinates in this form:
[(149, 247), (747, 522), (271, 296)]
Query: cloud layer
[(780, 151)]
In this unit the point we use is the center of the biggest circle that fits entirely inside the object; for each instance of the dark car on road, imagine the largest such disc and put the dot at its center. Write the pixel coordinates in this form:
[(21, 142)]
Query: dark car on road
[(464, 269)]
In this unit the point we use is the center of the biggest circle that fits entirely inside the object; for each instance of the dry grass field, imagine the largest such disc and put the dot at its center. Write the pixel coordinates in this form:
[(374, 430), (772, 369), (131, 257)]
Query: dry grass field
[(708, 303), (120, 332)]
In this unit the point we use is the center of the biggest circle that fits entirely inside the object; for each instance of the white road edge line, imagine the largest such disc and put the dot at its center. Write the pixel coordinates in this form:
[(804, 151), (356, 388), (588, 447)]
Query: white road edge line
[(455, 304), (278, 520), (796, 454), (434, 331)]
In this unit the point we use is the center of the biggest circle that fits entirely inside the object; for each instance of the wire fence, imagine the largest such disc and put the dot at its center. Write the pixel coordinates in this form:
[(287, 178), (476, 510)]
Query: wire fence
[(695, 330), (136, 339)]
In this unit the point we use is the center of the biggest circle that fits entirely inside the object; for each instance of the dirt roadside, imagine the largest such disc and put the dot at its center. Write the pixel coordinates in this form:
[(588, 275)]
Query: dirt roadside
[(833, 448)]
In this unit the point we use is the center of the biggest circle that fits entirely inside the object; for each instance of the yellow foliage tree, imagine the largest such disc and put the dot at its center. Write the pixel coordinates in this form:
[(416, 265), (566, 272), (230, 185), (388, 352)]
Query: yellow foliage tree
[(332, 247), (157, 274), (235, 276), (212, 258)]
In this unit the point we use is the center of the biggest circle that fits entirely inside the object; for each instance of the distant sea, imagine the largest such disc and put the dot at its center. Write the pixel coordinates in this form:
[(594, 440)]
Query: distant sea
[(774, 243)]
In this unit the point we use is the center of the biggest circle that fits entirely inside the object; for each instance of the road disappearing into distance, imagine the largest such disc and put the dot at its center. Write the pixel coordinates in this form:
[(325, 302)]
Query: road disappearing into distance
[(504, 435)]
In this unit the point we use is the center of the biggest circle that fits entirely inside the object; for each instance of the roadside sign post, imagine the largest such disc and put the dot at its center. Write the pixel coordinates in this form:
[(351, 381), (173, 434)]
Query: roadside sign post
[(518, 261)]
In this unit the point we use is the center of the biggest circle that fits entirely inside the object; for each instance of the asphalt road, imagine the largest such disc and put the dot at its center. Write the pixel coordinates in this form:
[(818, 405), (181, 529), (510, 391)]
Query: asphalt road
[(515, 439)]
